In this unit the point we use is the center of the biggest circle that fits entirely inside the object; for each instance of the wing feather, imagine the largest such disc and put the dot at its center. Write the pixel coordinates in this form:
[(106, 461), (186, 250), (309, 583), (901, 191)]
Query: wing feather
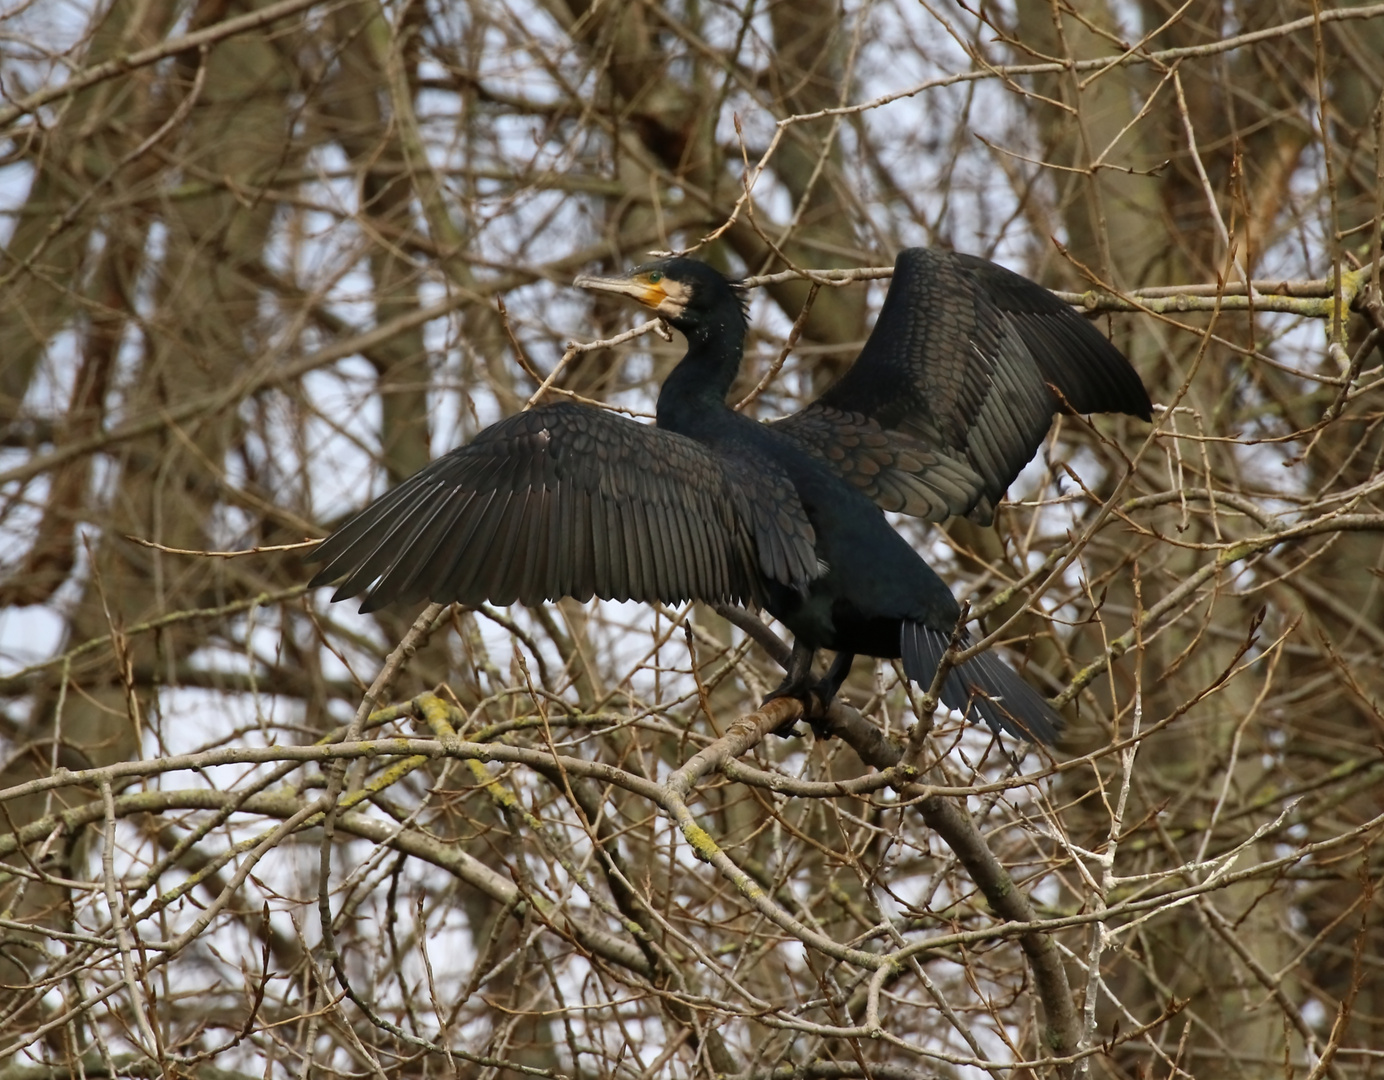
[(422, 531), (608, 547), (475, 562), (583, 554), (956, 387), (515, 544), (375, 541), (659, 546), (566, 500), (636, 547)]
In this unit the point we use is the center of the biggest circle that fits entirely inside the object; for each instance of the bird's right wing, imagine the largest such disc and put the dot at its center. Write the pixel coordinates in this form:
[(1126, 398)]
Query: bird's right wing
[(567, 500), (957, 385)]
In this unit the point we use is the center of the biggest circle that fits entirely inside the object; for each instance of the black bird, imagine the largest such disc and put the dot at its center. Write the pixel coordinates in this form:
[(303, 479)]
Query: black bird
[(951, 396)]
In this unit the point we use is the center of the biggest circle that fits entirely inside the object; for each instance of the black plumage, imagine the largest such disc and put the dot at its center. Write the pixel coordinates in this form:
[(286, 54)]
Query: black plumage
[(954, 390), (567, 500), (949, 399)]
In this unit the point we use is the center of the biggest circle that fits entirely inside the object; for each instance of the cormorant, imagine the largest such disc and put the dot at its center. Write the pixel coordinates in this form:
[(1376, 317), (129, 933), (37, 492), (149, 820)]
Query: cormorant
[(951, 396)]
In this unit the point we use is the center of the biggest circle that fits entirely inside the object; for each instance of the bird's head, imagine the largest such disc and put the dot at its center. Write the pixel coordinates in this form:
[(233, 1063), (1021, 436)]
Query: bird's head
[(685, 292)]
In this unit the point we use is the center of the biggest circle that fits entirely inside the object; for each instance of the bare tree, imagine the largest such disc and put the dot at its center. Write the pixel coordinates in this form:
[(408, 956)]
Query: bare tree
[(262, 260)]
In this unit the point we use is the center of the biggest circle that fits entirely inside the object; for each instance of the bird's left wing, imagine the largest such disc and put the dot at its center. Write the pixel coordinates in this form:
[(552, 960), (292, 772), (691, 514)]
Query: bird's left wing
[(957, 385), (567, 500)]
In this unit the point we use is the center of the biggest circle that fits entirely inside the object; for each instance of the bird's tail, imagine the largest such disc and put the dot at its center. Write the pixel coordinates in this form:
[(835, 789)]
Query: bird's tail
[(983, 686)]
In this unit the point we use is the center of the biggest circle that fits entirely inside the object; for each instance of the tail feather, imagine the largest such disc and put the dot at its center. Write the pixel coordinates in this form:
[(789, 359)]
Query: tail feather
[(984, 686)]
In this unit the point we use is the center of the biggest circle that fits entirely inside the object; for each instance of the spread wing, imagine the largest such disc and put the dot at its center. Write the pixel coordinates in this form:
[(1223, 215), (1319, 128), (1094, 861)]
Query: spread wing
[(566, 500), (953, 392)]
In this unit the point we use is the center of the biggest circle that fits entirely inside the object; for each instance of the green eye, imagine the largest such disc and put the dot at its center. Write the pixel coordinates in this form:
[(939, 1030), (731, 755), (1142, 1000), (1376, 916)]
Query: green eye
[(655, 276)]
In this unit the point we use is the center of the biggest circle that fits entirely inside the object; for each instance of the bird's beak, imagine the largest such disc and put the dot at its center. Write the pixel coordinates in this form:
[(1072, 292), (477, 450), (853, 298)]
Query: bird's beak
[(650, 295)]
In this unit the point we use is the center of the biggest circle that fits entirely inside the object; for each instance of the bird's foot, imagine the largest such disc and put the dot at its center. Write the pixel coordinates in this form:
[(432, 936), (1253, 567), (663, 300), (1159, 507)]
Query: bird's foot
[(815, 697), (816, 700)]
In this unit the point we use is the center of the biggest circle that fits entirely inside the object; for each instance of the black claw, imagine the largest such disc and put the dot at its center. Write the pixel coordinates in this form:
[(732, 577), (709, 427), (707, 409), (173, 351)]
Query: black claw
[(814, 708), (816, 697), (790, 729)]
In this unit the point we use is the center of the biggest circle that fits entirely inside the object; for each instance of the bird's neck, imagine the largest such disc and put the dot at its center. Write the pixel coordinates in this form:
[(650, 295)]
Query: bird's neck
[(695, 391)]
